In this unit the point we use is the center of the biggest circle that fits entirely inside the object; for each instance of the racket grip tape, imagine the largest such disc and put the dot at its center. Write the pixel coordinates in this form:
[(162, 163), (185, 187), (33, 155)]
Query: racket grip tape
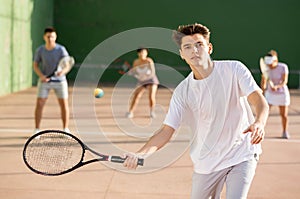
[(119, 159)]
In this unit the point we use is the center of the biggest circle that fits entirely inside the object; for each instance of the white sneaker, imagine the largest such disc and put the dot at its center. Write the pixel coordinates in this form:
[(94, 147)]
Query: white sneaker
[(286, 135), (67, 130), (36, 130), (152, 114), (129, 115)]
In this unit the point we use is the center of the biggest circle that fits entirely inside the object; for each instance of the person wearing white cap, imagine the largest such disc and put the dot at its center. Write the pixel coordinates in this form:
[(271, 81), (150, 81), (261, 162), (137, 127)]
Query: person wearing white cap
[(275, 88)]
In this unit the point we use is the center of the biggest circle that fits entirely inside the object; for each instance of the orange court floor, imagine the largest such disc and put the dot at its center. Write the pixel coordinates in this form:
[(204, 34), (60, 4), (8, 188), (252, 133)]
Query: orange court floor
[(277, 175)]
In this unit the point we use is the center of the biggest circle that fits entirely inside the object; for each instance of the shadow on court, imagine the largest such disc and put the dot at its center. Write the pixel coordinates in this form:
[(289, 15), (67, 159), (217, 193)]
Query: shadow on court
[(277, 175)]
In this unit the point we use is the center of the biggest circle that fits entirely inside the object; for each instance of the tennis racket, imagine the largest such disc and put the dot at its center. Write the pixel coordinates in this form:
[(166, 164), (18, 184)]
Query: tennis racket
[(265, 70), (123, 66), (65, 64), (54, 152), (142, 73)]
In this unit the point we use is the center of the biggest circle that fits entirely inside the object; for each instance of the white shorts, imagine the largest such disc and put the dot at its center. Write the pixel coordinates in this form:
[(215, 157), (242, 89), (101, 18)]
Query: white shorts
[(278, 99), (238, 179), (60, 88)]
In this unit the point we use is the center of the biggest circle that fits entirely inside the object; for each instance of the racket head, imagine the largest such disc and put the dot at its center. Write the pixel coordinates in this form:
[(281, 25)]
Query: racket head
[(263, 67), (66, 63), (53, 152), (124, 66)]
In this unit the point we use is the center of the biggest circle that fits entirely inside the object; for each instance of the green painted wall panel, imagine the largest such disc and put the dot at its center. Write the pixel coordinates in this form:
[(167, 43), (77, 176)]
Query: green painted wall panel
[(5, 42), (41, 17), (20, 23), (5, 60), (242, 30)]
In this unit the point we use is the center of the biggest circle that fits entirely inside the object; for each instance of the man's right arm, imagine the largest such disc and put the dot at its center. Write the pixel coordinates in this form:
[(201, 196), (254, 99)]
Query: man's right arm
[(39, 72), (156, 142)]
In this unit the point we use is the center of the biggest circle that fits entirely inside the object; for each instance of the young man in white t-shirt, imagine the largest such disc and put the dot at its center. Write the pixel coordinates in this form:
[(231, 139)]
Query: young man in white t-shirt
[(213, 101)]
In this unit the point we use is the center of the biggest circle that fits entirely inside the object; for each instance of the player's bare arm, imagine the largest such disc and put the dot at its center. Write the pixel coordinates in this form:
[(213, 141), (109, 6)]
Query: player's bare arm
[(39, 73), (282, 83), (257, 100), (263, 83), (152, 67), (156, 142)]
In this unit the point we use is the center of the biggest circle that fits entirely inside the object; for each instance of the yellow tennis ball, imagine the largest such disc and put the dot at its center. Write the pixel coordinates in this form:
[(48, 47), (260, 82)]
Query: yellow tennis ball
[(98, 92)]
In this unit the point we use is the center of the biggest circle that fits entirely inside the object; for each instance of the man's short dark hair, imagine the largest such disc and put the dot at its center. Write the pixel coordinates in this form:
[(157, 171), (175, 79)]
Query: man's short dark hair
[(190, 29), (49, 29)]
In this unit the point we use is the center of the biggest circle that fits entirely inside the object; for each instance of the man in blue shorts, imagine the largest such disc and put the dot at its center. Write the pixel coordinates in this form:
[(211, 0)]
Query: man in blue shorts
[(48, 56), (213, 100)]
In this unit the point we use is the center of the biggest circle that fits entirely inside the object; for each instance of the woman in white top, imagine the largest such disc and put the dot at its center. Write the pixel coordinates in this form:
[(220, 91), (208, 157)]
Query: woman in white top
[(213, 102), (275, 87), (144, 70)]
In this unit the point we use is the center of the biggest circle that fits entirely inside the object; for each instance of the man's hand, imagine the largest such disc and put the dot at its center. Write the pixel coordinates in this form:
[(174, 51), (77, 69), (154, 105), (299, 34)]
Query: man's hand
[(262, 111), (44, 79), (131, 161), (257, 132)]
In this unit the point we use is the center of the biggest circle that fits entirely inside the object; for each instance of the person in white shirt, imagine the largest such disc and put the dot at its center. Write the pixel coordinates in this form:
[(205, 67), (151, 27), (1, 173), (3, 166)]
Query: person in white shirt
[(213, 101), (277, 93), (144, 70)]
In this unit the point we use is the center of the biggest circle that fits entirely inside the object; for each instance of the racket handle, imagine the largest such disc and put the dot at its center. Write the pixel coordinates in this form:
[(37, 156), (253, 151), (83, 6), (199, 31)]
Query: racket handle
[(119, 159)]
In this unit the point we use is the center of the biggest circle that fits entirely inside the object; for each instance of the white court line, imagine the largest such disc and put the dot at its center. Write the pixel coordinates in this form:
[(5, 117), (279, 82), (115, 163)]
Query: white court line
[(281, 140), (15, 131), (140, 134), (93, 133), (88, 133)]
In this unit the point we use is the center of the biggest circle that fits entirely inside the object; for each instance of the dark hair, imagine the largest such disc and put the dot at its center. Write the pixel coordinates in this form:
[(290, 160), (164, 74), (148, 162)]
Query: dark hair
[(49, 29), (140, 49), (190, 29)]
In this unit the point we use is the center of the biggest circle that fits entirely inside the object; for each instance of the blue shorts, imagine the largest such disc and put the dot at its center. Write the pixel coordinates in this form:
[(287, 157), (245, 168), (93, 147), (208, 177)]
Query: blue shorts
[(60, 89)]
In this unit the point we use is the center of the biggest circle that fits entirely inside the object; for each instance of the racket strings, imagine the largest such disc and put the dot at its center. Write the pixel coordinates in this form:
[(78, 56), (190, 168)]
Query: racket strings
[(65, 63), (53, 153)]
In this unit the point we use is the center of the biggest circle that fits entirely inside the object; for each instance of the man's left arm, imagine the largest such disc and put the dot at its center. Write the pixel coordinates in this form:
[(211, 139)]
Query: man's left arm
[(258, 101)]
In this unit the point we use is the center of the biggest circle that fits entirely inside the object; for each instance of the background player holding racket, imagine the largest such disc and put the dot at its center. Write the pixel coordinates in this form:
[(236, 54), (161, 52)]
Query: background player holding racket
[(144, 70), (213, 101), (277, 93), (49, 56)]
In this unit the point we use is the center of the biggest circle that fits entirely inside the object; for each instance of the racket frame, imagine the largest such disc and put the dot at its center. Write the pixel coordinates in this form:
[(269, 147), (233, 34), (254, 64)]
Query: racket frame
[(122, 65), (61, 64), (102, 157), (264, 70), (71, 64)]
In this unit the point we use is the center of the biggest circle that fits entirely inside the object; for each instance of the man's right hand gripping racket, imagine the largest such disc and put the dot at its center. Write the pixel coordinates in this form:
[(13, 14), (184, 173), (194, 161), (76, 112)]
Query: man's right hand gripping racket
[(54, 152)]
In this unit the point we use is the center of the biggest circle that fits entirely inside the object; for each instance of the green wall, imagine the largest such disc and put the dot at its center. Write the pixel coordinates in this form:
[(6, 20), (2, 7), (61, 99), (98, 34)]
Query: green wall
[(15, 45), (41, 17), (19, 23), (242, 30)]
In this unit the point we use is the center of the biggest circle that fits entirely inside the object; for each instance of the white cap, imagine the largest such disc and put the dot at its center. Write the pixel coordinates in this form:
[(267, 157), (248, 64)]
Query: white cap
[(269, 59)]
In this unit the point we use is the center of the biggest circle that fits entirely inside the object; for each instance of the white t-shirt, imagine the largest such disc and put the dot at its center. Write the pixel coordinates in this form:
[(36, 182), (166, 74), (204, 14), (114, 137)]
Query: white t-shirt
[(275, 75), (217, 111)]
